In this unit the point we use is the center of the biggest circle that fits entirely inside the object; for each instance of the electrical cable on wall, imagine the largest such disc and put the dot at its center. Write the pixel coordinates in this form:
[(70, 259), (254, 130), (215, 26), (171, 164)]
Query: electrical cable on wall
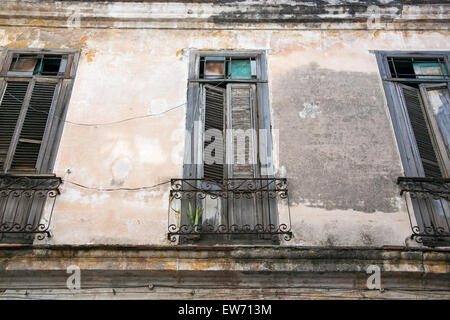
[(106, 123), (111, 123), (116, 189), (100, 124)]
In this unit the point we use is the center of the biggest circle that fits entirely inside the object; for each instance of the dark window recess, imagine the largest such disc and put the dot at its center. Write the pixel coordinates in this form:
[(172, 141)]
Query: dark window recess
[(37, 65), (32, 131), (10, 107), (214, 119), (418, 68), (421, 132)]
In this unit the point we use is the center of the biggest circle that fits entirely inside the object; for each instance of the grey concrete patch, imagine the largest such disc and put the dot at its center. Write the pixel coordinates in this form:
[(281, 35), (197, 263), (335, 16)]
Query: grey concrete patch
[(344, 157)]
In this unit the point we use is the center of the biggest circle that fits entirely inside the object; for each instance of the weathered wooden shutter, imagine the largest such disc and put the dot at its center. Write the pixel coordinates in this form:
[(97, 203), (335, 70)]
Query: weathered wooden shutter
[(421, 132), (436, 101), (241, 144), (23, 118), (214, 119), (33, 128), (10, 108), (241, 140)]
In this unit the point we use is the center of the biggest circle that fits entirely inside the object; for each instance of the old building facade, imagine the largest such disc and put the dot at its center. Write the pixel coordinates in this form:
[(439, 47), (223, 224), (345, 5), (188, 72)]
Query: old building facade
[(224, 149)]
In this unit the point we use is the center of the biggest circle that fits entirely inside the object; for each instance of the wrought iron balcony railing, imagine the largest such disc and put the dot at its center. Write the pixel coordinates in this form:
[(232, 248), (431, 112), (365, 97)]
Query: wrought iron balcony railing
[(26, 205), (428, 206), (243, 210)]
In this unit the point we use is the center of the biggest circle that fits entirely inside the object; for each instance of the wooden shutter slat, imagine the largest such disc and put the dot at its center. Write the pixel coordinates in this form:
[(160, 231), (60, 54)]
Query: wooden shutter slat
[(241, 109), (27, 150), (10, 108), (214, 119), (421, 132)]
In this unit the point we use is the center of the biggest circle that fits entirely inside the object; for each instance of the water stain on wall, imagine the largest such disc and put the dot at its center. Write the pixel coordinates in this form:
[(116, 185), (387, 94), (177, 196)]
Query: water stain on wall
[(343, 157)]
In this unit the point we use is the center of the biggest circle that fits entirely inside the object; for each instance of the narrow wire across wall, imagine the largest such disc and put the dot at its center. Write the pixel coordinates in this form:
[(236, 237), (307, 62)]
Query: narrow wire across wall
[(107, 124)]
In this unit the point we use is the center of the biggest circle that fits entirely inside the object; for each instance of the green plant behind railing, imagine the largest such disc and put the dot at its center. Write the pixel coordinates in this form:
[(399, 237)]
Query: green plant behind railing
[(194, 218)]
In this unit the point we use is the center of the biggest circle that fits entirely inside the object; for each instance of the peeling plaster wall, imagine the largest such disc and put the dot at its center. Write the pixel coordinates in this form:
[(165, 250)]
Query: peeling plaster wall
[(333, 132)]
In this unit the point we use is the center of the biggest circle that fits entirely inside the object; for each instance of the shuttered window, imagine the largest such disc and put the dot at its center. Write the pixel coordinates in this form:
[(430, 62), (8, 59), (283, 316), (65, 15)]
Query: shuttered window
[(34, 92), (10, 108), (241, 122), (229, 137), (229, 143), (35, 89), (418, 96), (213, 167), (23, 122), (436, 107), (32, 131), (421, 131)]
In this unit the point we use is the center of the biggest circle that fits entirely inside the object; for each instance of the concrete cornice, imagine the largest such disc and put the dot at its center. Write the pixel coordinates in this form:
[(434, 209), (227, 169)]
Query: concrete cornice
[(217, 272), (237, 258), (360, 15)]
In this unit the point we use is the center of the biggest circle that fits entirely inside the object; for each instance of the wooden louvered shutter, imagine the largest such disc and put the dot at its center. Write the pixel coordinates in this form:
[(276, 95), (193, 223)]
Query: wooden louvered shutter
[(421, 132), (436, 101), (33, 127), (10, 108), (24, 113), (241, 158), (214, 100), (241, 140)]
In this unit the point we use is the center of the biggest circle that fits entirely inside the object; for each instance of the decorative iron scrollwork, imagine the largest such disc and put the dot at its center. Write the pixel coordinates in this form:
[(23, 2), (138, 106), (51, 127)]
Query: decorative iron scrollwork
[(23, 198), (430, 200), (192, 222)]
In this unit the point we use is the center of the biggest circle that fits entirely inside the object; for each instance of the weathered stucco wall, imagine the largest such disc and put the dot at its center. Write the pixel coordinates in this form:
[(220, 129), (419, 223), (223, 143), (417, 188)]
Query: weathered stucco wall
[(333, 133)]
